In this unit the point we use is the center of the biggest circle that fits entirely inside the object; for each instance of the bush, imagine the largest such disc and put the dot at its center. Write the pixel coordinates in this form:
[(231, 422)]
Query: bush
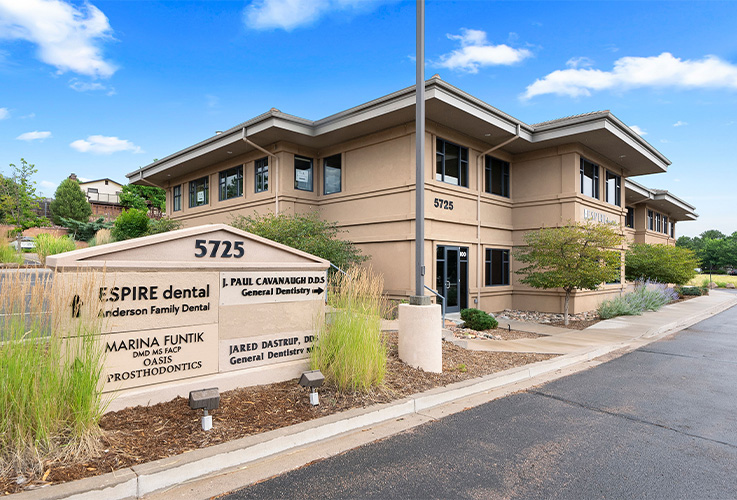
[(8, 255), (70, 203), (476, 319), (349, 350), (132, 223), (163, 225), (689, 290), (661, 263), (47, 244), (721, 284), (84, 231), (101, 237), (647, 296)]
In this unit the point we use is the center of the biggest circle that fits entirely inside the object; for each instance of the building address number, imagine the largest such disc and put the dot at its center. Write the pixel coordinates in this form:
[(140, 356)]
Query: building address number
[(444, 204), (227, 248)]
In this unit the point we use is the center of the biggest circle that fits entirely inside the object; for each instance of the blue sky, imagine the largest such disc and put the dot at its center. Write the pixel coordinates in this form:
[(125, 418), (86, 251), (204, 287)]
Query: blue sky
[(101, 88)]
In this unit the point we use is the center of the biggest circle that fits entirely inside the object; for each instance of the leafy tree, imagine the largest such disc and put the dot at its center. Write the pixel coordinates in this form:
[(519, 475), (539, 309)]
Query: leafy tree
[(130, 224), (578, 256), (162, 225), (84, 231), (308, 233), (70, 203), (140, 197), (662, 263), (712, 234), (18, 198)]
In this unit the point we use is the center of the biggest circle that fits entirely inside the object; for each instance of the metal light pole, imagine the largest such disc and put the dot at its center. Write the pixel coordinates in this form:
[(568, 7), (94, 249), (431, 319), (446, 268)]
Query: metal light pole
[(420, 155)]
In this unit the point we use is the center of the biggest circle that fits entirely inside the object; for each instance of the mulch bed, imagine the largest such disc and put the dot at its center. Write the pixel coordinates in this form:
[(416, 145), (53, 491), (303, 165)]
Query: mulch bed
[(143, 434), (575, 324)]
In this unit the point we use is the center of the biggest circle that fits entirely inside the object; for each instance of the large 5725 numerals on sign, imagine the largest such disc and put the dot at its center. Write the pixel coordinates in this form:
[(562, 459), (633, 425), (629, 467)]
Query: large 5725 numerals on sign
[(226, 248)]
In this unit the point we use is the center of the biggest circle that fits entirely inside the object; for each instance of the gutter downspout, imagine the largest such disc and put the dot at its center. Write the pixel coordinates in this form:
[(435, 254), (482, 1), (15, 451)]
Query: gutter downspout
[(479, 257), (276, 170)]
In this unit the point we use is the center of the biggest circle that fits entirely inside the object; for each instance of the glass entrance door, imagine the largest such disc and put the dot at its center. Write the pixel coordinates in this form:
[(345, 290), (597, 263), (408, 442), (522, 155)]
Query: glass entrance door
[(451, 272)]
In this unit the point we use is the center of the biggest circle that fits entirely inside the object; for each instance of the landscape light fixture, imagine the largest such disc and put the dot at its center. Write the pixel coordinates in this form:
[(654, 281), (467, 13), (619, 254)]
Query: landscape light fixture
[(312, 379), (206, 399)]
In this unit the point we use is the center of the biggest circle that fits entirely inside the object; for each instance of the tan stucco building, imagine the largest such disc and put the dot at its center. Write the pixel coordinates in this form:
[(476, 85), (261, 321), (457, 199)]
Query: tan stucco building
[(489, 178)]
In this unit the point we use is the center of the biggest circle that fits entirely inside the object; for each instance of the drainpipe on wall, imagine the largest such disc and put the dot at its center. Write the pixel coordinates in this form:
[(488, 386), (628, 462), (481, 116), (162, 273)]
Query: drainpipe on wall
[(276, 170), (479, 257)]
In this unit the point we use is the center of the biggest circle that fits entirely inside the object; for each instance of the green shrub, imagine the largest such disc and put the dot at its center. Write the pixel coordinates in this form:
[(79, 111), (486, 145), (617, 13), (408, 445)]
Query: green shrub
[(163, 225), (70, 203), (721, 284), (84, 231), (661, 263), (132, 223), (8, 255), (47, 244), (476, 319), (647, 296), (349, 350), (689, 290)]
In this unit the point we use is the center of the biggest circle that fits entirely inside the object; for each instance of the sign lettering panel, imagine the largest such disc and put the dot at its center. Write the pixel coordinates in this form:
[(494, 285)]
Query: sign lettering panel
[(260, 287), (248, 352)]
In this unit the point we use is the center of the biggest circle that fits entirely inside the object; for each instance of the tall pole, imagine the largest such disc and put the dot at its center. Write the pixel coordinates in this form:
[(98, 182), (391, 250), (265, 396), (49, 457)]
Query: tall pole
[(420, 154)]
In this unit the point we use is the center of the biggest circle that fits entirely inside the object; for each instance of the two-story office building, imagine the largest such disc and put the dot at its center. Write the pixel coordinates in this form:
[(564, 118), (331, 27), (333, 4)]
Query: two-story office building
[(489, 178)]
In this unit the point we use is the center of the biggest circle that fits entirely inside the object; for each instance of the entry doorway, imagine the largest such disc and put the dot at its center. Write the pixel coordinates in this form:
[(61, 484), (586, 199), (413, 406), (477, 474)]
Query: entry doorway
[(452, 277)]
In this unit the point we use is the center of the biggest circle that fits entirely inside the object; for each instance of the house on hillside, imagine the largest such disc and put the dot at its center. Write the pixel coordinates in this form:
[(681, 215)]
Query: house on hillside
[(104, 197), (489, 178)]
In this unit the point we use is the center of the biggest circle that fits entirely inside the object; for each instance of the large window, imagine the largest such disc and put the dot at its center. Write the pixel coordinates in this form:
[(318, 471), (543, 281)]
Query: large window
[(303, 173), (332, 174), (629, 220), (613, 188), (176, 198), (451, 163), (199, 192), (665, 224), (657, 223), (231, 183), (497, 267), (650, 220), (262, 175), (673, 229), (589, 178), (497, 176)]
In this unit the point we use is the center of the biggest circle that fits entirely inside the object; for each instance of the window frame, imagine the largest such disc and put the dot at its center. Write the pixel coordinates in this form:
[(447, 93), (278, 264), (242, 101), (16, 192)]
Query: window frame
[(650, 220), (440, 162), (505, 266), (325, 168), (311, 171), (594, 180), (658, 222), (261, 174), (223, 177), (629, 218), (503, 176), (617, 188), (665, 224), (193, 191), (176, 198)]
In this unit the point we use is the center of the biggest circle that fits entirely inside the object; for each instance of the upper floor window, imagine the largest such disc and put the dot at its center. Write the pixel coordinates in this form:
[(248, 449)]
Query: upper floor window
[(262, 174), (650, 220), (231, 183), (176, 198), (665, 224), (613, 188), (332, 174), (657, 223), (497, 176), (451, 163), (497, 267), (303, 173), (629, 220), (673, 229), (589, 178), (199, 192)]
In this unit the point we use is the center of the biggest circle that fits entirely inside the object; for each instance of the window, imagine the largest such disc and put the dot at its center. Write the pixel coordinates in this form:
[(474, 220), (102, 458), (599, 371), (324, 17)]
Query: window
[(673, 229), (657, 223), (231, 183), (91, 190), (650, 220), (665, 224), (613, 188), (497, 176), (262, 175), (497, 267), (303, 173), (332, 174), (176, 199), (451, 163), (589, 178), (199, 192), (629, 220)]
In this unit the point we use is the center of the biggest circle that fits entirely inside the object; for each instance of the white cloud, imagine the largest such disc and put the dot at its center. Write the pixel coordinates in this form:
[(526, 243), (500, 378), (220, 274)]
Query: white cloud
[(660, 71), (290, 14), (80, 86), (638, 130), (68, 36), (579, 62), (679, 123), (101, 144), (4, 113), (34, 136), (476, 52)]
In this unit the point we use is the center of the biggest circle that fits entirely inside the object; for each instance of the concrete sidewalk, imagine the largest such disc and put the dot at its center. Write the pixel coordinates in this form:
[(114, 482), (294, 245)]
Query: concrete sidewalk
[(215, 470)]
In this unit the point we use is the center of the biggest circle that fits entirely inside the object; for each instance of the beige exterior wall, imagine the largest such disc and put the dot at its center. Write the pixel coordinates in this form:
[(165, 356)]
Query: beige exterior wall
[(643, 234)]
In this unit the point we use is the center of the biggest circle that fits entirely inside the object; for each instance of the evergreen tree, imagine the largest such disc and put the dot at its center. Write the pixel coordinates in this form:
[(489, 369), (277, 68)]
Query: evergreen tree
[(70, 203)]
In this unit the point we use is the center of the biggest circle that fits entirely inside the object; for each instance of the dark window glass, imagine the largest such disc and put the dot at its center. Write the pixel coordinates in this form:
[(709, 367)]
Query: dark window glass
[(665, 224), (176, 203), (332, 174), (589, 178), (613, 188), (199, 192), (497, 176), (629, 221), (262, 175), (657, 223), (650, 220), (303, 173), (231, 183), (673, 229), (497, 267), (451, 163)]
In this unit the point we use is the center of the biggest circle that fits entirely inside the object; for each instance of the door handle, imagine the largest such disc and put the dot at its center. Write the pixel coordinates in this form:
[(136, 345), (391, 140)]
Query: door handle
[(447, 284)]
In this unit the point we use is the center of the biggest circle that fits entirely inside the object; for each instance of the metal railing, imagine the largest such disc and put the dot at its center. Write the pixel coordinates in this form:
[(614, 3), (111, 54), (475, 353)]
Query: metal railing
[(103, 197), (442, 306)]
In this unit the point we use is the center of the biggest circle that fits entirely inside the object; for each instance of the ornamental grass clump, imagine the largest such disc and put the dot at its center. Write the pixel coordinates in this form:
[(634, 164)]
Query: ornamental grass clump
[(647, 296), (349, 349), (50, 369), (8, 255), (47, 244)]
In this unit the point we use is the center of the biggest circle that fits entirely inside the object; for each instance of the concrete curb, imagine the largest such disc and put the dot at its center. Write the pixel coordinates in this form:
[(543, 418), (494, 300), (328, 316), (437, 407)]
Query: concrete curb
[(141, 480)]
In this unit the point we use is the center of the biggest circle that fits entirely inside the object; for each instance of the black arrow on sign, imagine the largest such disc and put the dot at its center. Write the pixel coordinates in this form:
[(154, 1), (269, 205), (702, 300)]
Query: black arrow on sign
[(317, 290)]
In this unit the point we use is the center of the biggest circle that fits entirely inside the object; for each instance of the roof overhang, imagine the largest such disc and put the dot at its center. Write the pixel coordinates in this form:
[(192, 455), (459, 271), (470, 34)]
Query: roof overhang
[(660, 200)]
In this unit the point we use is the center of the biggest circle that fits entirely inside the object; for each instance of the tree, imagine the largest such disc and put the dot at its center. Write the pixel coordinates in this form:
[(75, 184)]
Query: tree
[(140, 197), (662, 263), (578, 256), (18, 199), (712, 234), (70, 203), (308, 233)]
